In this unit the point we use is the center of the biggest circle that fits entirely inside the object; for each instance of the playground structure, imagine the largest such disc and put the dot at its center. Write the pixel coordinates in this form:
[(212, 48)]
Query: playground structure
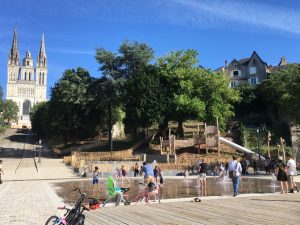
[(168, 146), (208, 135)]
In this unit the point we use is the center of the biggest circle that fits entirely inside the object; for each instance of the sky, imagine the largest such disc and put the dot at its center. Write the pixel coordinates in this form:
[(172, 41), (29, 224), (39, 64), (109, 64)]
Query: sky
[(218, 29)]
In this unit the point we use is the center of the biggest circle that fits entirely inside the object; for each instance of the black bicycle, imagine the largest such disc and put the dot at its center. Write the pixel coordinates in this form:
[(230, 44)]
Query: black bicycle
[(74, 216)]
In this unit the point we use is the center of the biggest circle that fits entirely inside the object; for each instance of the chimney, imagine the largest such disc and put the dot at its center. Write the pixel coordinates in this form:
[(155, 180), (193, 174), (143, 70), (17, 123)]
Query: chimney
[(225, 65), (283, 61)]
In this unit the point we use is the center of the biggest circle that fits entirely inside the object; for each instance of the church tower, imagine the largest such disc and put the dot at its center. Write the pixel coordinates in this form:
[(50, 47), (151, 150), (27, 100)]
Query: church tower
[(26, 85), (41, 72)]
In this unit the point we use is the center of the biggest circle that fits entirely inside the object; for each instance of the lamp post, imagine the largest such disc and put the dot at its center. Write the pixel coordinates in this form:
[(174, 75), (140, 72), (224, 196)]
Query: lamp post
[(258, 148), (111, 141), (40, 148)]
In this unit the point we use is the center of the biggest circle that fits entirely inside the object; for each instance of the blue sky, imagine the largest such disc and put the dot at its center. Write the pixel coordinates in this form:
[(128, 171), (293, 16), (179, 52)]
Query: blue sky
[(218, 29)]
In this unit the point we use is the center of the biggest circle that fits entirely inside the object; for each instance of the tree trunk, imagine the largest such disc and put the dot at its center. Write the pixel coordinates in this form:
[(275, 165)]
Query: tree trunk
[(110, 125), (164, 128), (180, 131)]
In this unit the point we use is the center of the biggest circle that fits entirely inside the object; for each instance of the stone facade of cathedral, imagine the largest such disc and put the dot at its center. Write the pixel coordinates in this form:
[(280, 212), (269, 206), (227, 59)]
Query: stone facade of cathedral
[(26, 83)]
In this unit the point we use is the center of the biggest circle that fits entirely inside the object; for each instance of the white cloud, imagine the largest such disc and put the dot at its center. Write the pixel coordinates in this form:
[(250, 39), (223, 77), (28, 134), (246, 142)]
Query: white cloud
[(209, 13)]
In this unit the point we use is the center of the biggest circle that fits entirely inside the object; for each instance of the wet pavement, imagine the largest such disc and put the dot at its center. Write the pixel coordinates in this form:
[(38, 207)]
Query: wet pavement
[(172, 188)]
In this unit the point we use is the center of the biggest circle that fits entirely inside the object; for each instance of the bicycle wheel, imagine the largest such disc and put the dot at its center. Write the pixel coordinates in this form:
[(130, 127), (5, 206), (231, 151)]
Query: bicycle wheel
[(53, 220), (139, 199)]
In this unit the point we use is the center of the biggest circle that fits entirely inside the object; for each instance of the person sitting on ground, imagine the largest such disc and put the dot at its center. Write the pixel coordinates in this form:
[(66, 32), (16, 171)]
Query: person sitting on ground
[(151, 189)]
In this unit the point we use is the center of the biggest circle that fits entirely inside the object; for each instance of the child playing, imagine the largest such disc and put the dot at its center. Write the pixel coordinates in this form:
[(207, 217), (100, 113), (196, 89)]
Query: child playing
[(96, 176), (155, 173), (161, 178)]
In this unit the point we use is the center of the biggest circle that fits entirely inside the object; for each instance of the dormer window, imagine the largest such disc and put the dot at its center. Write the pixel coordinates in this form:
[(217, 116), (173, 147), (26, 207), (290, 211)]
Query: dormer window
[(252, 70)]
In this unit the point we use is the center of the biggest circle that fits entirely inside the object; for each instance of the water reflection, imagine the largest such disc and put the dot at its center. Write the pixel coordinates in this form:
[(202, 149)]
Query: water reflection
[(172, 188)]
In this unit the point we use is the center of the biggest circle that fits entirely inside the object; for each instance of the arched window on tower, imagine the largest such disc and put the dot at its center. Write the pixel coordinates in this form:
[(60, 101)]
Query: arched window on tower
[(26, 107), (40, 77), (25, 76), (43, 82), (29, 77)]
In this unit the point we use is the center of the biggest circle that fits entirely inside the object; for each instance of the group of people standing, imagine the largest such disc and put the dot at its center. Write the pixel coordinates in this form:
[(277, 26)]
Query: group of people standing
[(285, 173), (149, 173)]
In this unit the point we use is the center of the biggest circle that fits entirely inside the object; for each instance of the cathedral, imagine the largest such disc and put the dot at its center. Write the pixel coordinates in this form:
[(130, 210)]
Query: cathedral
[(26, 84)]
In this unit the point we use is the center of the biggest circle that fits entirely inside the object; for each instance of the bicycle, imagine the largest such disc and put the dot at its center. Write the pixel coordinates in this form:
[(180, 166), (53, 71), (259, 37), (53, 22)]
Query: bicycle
[(144, 197), (74, 216)]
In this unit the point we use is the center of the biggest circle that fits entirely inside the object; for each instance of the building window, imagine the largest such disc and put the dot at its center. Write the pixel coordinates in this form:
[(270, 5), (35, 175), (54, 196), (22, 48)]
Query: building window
[(29, 77), (27, 63), (235, 73), (25, 77), (252, 70), (235, 66), (233, 84), (253, 80)]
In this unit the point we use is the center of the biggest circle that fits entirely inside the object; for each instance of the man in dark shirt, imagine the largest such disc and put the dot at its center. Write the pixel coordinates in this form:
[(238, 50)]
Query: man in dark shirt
[(202, 173)]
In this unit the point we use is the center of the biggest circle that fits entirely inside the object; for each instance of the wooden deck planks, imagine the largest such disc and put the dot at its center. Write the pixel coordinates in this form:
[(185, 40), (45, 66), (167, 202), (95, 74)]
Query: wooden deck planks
[(258, 210)]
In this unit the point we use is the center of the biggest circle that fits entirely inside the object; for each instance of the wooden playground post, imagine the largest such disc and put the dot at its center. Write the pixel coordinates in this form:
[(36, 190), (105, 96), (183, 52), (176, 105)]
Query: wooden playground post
[(282, 141), (218, 137), (206, 148), (268, 141)]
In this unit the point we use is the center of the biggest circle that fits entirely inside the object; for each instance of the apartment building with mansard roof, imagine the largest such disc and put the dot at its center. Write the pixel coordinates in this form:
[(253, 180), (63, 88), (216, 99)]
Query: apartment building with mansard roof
[(252, 70)]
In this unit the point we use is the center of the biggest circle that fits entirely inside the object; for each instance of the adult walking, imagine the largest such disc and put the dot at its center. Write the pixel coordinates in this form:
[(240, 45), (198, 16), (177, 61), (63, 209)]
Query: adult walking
[(281, 173), (235, 170), (292, 171), (202, 173), (148, 172)]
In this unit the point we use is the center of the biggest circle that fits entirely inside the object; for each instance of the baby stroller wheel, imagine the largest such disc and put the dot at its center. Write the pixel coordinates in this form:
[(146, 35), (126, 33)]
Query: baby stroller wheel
[(127, 202)]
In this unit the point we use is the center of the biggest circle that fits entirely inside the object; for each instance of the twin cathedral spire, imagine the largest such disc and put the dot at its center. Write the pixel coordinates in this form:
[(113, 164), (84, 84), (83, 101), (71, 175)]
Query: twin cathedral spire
[(26, 71)]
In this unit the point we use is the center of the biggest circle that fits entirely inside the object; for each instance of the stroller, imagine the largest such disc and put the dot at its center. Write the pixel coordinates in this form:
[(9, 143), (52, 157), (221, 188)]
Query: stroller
[(116, 194)]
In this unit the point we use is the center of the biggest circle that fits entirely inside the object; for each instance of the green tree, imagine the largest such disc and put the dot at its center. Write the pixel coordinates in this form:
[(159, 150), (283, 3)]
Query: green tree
[(40, 120), (282, 93), (176, 71), (143, 99), (68, 105), (219, 98), (10, 110)]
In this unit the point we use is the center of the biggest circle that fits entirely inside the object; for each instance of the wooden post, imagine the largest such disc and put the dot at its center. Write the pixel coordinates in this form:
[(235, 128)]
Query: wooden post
[(161, 140), (282, 141), (268, 141), (278, 150), (218, 137), (205, 133)]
